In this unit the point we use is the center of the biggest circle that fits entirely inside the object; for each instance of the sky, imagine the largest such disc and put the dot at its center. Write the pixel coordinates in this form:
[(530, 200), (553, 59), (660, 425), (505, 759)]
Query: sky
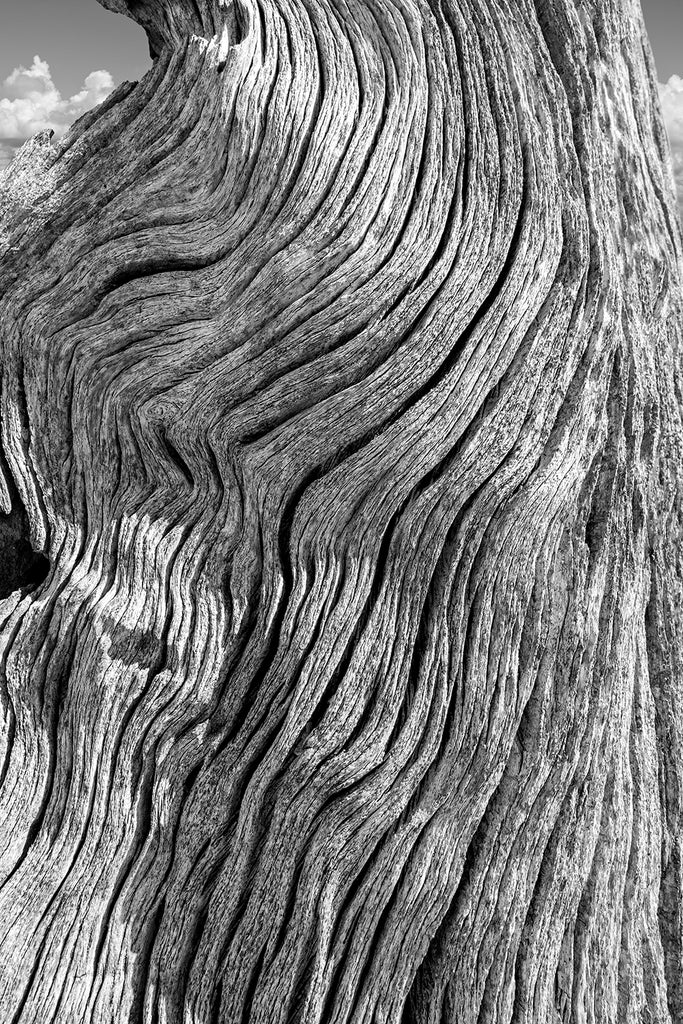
[(58, 58)]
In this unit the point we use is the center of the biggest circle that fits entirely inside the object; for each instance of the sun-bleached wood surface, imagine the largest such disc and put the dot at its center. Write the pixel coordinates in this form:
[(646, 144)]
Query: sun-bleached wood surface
[(341, 578)]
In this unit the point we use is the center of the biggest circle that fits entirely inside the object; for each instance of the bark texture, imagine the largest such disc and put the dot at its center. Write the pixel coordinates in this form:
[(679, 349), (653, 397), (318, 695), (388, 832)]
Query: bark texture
[(341, 615)]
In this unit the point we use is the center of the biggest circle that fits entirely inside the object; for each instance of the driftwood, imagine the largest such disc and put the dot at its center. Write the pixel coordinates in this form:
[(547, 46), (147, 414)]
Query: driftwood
[(341, 617)]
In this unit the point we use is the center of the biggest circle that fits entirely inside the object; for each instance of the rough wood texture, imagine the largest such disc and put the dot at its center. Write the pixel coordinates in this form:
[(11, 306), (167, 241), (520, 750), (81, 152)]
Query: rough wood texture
[(341, 388)]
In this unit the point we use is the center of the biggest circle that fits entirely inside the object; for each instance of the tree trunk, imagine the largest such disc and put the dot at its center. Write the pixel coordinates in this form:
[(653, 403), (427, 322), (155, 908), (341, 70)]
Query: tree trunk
[(341, 615)]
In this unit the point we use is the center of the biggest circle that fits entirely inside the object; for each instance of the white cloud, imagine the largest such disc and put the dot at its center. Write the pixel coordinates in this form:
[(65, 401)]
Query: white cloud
[(671, 95), (30, 102)]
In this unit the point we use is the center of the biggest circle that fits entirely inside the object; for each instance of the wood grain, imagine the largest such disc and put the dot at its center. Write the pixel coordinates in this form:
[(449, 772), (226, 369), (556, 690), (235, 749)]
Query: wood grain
[(341, 618)]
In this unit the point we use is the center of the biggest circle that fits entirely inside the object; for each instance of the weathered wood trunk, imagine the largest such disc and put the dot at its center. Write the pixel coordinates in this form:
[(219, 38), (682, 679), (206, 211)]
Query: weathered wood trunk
[(341, 623)]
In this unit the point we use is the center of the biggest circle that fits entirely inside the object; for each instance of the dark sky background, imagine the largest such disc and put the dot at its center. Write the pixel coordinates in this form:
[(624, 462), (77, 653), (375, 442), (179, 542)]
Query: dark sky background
[(664, 21), (78, 36)]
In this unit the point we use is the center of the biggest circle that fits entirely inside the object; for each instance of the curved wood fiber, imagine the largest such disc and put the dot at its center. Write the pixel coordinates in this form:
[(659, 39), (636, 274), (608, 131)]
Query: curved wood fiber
[(341, 604)]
